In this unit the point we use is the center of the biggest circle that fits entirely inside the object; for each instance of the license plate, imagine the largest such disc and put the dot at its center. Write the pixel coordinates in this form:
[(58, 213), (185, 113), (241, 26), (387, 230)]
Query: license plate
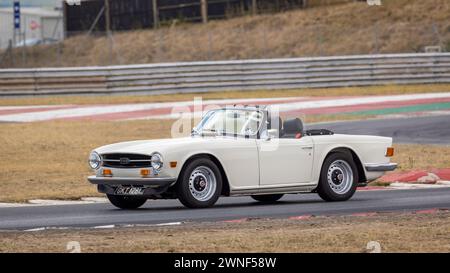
[(121, 190)]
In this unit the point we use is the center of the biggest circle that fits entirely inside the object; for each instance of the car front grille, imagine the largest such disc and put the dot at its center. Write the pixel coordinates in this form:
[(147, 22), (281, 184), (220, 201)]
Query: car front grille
[(126, 160)]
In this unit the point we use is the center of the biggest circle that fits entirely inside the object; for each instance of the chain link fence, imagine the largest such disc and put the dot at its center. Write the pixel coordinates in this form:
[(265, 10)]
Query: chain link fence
[(237, 40)]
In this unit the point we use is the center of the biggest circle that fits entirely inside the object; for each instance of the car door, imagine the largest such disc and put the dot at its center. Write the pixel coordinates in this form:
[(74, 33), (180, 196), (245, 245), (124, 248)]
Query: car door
[(285, 161)]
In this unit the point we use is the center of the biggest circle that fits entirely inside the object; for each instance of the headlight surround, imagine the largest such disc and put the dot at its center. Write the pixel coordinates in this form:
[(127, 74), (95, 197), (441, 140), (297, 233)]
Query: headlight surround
[(95, 160), (157, 161)]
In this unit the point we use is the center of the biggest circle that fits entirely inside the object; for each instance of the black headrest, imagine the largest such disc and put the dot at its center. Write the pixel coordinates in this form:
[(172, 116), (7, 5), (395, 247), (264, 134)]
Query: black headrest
[(293, 126)]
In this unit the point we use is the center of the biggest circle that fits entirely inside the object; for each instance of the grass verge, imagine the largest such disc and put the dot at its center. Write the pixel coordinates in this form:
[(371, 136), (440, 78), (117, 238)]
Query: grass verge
[(48, 159), (394, 232)]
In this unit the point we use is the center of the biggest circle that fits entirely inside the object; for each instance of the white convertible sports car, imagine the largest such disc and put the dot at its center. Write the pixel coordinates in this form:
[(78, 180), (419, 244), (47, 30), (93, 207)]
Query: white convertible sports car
[(239, 151)]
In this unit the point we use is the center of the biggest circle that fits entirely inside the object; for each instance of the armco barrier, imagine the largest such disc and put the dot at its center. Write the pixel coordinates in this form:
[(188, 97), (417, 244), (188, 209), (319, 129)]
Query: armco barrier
[(214, 76)]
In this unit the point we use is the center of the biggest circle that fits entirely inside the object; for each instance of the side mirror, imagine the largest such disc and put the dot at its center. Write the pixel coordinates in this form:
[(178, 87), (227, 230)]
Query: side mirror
[(272, 133)]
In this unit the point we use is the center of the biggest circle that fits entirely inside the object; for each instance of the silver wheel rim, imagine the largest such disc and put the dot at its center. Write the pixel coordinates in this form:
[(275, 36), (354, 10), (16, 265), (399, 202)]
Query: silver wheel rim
[(202, 183), (340, 177)]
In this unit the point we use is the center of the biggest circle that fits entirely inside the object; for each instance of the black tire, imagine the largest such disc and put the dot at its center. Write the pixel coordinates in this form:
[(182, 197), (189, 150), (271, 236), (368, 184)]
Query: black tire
[(126, 202), (269, 198), (325, 190), (184, 193)]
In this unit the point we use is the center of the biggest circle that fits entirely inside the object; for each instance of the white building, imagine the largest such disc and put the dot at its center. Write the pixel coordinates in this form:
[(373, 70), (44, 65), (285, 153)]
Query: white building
[(38, 25)]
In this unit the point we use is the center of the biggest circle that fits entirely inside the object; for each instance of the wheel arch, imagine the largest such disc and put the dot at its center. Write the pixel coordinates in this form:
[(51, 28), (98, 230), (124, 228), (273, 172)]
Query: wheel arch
[(359, 166), (213, 158)]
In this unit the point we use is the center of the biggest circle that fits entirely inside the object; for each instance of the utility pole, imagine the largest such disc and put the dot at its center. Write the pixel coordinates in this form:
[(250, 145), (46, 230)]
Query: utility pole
[(204, 10), (155, 14)]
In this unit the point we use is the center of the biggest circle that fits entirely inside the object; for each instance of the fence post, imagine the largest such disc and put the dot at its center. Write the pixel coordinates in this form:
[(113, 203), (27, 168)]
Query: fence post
[(376, 49), (204, 10), (107, 18), (155, 14), (108, 30), (254, 7), (11, 51)]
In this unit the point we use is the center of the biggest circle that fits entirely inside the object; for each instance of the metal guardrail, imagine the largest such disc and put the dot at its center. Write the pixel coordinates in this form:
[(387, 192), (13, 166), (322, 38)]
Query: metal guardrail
[(341, 71)]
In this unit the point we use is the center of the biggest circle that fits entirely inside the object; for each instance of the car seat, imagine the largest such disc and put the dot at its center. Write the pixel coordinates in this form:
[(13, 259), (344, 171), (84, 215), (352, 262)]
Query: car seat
[(293, 128)]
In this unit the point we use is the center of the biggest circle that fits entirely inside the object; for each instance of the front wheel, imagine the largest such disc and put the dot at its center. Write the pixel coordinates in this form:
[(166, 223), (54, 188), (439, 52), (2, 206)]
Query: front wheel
[(338, 178), (269, 198), (126, 202), (200, 184)]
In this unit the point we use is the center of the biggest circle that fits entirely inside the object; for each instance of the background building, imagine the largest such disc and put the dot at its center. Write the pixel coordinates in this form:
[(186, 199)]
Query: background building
[(42, 24)]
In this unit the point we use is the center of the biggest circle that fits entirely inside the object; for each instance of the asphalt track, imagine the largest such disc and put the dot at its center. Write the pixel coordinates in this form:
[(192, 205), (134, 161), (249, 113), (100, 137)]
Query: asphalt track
[(420, 130), (169, 211)]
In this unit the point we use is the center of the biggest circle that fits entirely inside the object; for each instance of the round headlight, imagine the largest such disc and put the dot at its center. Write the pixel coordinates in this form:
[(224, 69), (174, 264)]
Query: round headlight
[(157, 161), (94, 160)]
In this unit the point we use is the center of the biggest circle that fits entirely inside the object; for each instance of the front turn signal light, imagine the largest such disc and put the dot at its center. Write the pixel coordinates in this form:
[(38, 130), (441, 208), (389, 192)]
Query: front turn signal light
[(145, 172), (107, 172), (390, 152)]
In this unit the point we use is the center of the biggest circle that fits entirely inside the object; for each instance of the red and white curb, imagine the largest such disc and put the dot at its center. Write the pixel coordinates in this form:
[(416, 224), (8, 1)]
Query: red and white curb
[(307, 217), (418, 179), (171, 110)]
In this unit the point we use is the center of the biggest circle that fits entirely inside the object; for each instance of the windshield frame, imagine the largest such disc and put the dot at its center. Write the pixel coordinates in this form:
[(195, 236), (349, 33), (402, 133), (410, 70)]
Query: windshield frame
[(197, 131)]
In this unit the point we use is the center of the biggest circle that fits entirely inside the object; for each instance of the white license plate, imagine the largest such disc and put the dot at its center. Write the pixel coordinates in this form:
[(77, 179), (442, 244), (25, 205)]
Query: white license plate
[(121, 190)]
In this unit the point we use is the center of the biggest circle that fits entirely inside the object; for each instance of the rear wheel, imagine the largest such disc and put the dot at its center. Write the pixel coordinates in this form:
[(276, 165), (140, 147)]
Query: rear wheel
[(126, 202), (269, 198), (200, 185), (338, 178)]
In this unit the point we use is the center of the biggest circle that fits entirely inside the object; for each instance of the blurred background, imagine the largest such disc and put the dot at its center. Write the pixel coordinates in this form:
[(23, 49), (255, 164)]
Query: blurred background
[(54, 33)]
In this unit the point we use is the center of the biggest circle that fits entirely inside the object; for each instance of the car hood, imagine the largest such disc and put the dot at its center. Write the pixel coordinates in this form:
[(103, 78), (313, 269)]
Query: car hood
[(147, 146)]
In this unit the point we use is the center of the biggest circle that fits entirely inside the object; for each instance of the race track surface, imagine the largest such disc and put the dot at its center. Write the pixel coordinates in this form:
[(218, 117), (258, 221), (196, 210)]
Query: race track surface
[(420, 130), (167, 211)]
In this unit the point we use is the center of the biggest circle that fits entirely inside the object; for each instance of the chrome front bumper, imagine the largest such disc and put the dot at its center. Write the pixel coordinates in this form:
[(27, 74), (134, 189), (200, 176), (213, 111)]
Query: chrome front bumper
[(385, 167), (132, 181)]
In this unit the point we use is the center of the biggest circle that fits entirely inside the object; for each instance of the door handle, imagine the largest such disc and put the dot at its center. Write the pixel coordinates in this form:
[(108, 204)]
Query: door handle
[(307, 148)]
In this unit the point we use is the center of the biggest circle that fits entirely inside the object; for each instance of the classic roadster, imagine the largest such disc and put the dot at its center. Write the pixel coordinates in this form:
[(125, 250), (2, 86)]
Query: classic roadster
[(237, 151)]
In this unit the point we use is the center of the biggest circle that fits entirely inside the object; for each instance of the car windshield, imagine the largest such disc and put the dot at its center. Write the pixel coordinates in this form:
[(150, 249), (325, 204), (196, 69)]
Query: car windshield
[(239, 122)]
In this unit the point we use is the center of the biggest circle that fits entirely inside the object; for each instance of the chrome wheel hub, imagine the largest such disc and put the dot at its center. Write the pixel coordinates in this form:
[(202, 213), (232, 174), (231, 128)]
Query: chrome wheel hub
[(340, 177), (202, 183)]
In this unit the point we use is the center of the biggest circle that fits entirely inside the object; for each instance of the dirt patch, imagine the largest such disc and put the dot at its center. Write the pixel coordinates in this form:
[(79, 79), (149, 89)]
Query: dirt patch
[(393, 232)]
